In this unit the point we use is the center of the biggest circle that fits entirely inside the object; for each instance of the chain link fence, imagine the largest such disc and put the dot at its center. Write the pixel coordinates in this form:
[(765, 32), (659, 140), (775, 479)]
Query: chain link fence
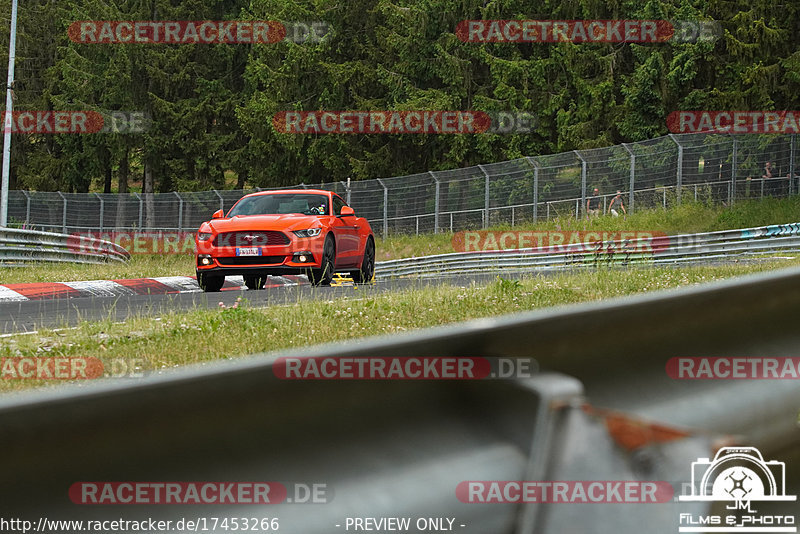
[(657, 172)]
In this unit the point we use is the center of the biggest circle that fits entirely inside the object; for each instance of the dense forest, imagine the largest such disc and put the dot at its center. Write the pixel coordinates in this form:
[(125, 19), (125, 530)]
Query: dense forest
[(211, 105)]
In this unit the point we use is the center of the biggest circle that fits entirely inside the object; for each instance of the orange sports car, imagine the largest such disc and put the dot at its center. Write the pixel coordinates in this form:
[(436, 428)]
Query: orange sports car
[(293, 231)]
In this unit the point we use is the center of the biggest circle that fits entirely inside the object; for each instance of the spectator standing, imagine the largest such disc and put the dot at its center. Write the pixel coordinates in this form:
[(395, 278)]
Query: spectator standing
[(617, 205), (767, 177)]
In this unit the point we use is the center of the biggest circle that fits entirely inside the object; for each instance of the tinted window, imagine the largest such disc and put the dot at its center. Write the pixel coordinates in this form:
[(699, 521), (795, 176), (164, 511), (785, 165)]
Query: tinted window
[(338, 203), (283, 203)]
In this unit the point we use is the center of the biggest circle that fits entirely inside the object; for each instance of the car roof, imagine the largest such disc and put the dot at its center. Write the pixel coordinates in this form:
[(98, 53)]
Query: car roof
[(292, 191)]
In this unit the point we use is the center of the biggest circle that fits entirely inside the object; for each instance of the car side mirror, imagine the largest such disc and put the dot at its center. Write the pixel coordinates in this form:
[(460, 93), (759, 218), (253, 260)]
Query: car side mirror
[(347, 211), (219, 214)]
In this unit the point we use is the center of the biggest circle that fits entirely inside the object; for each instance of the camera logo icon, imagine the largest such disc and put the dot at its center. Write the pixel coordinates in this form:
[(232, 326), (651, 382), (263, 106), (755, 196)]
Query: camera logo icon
[(738, 474)]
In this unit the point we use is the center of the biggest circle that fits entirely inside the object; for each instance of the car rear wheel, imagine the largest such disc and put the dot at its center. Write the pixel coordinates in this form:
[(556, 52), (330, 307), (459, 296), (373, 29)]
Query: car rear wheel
[(367, 271), (254, 281), (324, 275), (210, 283)]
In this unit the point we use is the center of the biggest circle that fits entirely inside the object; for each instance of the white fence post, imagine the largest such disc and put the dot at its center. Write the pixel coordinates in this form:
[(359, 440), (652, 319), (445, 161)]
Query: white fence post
[(486, 198), (63, 214), (435, 204), (679, 176), (535, 165), (385, 208), (583, 185)]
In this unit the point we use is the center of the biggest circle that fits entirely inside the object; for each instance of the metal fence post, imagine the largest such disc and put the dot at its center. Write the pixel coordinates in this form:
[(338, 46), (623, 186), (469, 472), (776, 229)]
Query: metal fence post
[(435, 204), (346, 190), (27, 208), (633, 177), (791, 165), (141, 208), (486, 198), (101, 210), (679, 177), (385, 208), (63, 214), (734, 164), (535, 165), (492, 202), (583, 184), (180, 211)]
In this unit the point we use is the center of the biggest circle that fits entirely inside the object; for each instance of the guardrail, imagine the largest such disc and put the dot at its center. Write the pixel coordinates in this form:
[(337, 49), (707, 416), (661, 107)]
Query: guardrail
[(19, 247), (657, 250), (400, 448)]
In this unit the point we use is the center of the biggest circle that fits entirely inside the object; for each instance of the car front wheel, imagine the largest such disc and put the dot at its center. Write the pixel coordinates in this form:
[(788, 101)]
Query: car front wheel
[(367, 271), (324, 275), (255, 281), (210, 283)]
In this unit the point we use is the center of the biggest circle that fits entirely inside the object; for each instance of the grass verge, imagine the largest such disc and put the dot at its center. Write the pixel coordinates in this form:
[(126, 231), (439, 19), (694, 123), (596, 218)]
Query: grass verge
[(206, 335)]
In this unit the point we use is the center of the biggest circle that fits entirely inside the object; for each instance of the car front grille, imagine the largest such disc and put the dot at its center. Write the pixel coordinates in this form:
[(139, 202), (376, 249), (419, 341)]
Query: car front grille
[(258, 238), (237, 261)]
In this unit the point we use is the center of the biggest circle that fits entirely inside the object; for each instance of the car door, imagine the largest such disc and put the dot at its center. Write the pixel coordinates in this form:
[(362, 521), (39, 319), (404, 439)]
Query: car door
[(345, 231)]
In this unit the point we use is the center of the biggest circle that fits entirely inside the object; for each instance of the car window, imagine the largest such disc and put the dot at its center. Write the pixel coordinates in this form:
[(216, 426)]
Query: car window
[(338, 204), (281, 204)]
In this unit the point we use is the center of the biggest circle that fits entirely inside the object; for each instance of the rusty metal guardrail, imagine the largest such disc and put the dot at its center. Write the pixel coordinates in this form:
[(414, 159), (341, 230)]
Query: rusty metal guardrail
[(400, 448), (25, 246), (654, 251)]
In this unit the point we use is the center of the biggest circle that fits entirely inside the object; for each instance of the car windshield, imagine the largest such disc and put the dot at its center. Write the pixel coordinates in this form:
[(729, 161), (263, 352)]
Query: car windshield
[(280, 204)]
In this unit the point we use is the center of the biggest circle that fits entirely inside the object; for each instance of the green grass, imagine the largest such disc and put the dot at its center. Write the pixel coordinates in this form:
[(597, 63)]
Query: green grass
[(140, 266), (178, 339), (690, 217)]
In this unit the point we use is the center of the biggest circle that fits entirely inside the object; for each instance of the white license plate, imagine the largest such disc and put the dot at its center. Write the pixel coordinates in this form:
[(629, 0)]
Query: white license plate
[(248, 251)]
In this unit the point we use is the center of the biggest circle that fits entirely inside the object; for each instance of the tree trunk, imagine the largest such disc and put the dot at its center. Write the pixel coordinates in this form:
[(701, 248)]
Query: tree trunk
[(107, 170), (241, 179), (147, 186), (124, 171)]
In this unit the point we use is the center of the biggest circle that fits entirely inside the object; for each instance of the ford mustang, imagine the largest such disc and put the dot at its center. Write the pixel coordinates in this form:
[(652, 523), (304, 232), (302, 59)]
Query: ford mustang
[(294, 231)]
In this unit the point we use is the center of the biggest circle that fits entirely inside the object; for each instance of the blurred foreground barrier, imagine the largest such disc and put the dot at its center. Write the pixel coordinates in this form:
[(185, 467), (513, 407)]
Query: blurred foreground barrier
[(602, 408)]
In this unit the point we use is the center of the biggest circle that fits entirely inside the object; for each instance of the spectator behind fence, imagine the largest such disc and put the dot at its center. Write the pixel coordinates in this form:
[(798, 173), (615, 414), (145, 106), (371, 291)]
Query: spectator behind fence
[(616, 205), (593, 204), (769, 184)]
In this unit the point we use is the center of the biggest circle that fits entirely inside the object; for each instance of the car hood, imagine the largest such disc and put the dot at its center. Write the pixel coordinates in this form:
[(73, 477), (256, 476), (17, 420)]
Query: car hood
[(291, 221)]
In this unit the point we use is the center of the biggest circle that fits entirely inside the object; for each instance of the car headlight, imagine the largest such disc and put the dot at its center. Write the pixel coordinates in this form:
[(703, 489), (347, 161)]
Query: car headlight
[(311, 232), (203, 236)]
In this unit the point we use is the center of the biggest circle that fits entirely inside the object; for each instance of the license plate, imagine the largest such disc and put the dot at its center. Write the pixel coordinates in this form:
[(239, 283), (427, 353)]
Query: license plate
[(248, 251)]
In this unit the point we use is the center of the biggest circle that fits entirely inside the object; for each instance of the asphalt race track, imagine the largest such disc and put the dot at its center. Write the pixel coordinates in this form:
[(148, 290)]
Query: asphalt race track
[(31, 315)]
